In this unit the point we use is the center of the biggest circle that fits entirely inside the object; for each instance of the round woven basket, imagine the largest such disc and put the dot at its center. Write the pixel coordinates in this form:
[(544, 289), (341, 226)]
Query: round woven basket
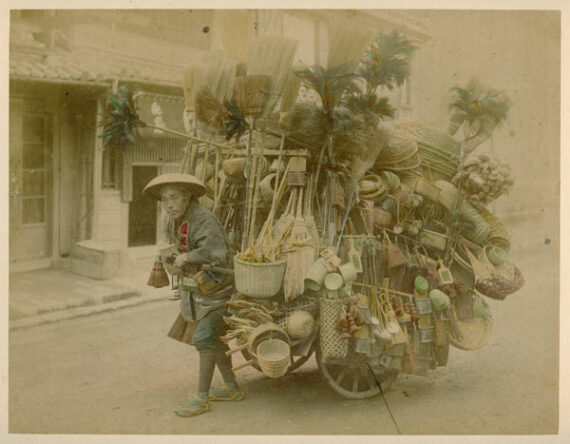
[(300, 324), (273, 357), (475, 333), (259, 280), (234, 168)]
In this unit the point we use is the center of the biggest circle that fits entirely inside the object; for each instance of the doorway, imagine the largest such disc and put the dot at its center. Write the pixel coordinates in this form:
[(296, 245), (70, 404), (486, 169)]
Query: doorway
[(30, 182), (142, 209)]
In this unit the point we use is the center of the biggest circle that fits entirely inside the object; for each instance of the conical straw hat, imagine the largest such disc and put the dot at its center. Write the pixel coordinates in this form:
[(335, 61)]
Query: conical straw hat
[(191, 183)]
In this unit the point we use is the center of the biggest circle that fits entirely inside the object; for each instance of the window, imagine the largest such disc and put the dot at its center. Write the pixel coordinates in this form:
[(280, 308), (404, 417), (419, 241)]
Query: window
[(34, 169)]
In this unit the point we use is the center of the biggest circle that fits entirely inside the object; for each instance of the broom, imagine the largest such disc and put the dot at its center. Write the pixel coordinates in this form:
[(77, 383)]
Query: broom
[(310, 221), (290, 94), (192, 79), (271, 56), (285, 220), (346, 44), (158, 277), (265, 237), (300, 260), (236, 30)]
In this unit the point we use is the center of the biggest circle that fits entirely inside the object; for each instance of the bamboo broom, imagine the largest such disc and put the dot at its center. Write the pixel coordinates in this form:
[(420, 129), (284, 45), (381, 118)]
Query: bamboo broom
[(300, 260), (271, 56), (290, 94), (309, 218), (192, 80), (237, 27), (346, 44), (285, 220)]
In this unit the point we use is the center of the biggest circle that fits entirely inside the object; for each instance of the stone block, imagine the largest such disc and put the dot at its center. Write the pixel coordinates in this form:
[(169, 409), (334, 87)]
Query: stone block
[(95, 261)]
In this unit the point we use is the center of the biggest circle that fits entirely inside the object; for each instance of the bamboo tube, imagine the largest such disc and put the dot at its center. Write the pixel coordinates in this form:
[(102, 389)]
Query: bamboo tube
[(256, 191), (247, 168)]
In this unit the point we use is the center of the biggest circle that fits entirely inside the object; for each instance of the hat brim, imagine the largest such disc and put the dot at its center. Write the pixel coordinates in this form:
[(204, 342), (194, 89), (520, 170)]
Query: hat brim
[(191, 184)]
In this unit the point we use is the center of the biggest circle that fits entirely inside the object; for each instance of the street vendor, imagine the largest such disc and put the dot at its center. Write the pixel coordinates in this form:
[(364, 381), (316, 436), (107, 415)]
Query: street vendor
[(199, 239)]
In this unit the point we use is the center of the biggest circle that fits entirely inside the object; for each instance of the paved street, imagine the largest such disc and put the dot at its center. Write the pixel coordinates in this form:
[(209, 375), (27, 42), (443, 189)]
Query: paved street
[(117, 373)]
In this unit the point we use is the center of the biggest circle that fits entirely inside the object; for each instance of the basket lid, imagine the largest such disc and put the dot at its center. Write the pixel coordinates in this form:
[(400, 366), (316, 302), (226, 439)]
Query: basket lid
[(192, 183)]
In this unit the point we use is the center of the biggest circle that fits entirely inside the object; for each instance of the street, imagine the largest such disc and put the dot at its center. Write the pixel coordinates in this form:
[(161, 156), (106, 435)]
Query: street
[(118, 373)]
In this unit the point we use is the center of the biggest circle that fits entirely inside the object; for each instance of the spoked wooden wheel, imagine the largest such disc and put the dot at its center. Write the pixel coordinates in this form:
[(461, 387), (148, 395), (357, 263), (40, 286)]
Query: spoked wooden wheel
[(352, 377)]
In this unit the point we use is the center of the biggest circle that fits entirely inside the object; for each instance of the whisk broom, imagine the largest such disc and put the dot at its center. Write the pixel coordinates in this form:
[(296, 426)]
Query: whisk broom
[(300, 260), (158, 277)]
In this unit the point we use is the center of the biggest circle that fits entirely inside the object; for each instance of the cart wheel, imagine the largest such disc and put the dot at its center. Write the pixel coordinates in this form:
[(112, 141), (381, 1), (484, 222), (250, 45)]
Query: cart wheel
[(352, 377)]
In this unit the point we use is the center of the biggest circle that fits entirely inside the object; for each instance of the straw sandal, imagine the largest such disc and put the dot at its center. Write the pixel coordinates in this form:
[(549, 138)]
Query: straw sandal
[(195, 406), (225, 394)]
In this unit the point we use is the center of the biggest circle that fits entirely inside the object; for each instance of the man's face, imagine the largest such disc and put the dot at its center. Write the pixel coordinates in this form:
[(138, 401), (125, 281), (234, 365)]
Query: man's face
[(174, 201)]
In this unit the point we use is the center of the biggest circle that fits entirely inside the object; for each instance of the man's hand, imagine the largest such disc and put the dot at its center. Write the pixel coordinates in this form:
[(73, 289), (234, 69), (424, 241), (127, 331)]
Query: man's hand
[(181, 260)]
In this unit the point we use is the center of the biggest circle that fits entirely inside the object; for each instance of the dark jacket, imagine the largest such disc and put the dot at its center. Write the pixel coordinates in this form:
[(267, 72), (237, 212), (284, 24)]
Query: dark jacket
[(201, 236)]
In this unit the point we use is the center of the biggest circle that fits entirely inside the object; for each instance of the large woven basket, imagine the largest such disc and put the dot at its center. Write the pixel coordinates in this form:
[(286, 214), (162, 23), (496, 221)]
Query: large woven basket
[(422, 186), (331, 342), (447, 194), (259, 280)]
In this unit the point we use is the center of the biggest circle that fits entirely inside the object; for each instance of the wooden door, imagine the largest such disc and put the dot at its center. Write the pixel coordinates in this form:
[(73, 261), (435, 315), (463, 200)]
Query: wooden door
[(142, 209), (30, 181)]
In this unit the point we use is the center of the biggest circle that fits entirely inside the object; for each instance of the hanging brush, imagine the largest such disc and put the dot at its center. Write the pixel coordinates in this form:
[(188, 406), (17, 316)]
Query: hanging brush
[(300, 260), (158, 277)]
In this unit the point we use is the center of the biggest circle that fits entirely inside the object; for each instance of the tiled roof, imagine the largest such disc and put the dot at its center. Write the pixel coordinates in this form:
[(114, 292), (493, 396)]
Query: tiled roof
[(90, 67)]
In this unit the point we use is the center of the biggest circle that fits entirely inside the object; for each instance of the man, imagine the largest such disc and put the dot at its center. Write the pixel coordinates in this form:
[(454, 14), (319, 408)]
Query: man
[(199, 239)]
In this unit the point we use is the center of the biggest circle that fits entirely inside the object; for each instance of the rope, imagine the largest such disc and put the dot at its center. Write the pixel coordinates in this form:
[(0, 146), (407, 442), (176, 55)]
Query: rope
[(385, 400)]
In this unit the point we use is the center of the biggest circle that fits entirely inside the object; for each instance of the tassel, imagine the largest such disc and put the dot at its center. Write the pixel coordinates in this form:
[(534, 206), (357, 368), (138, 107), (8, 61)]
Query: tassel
[(409, 363), (158, 277)]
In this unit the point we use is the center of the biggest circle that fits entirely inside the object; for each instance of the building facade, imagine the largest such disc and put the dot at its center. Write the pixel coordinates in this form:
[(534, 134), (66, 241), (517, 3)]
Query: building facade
[(67, 190)]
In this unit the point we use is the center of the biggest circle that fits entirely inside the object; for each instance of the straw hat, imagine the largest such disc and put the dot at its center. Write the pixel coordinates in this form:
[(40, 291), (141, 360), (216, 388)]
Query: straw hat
[(191, 183)]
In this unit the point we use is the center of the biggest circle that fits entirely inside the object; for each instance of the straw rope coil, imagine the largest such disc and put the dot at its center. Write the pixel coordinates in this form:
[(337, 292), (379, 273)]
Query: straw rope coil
[(498, 234)]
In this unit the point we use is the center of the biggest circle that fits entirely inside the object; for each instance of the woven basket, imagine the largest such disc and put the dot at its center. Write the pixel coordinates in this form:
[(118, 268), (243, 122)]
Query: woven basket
[(480, 231), (259, 280), (498, 235), (423, 186), (447, 194), (392, 180), (433, 239), (273, 357), (382, 217), (332, 344)]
